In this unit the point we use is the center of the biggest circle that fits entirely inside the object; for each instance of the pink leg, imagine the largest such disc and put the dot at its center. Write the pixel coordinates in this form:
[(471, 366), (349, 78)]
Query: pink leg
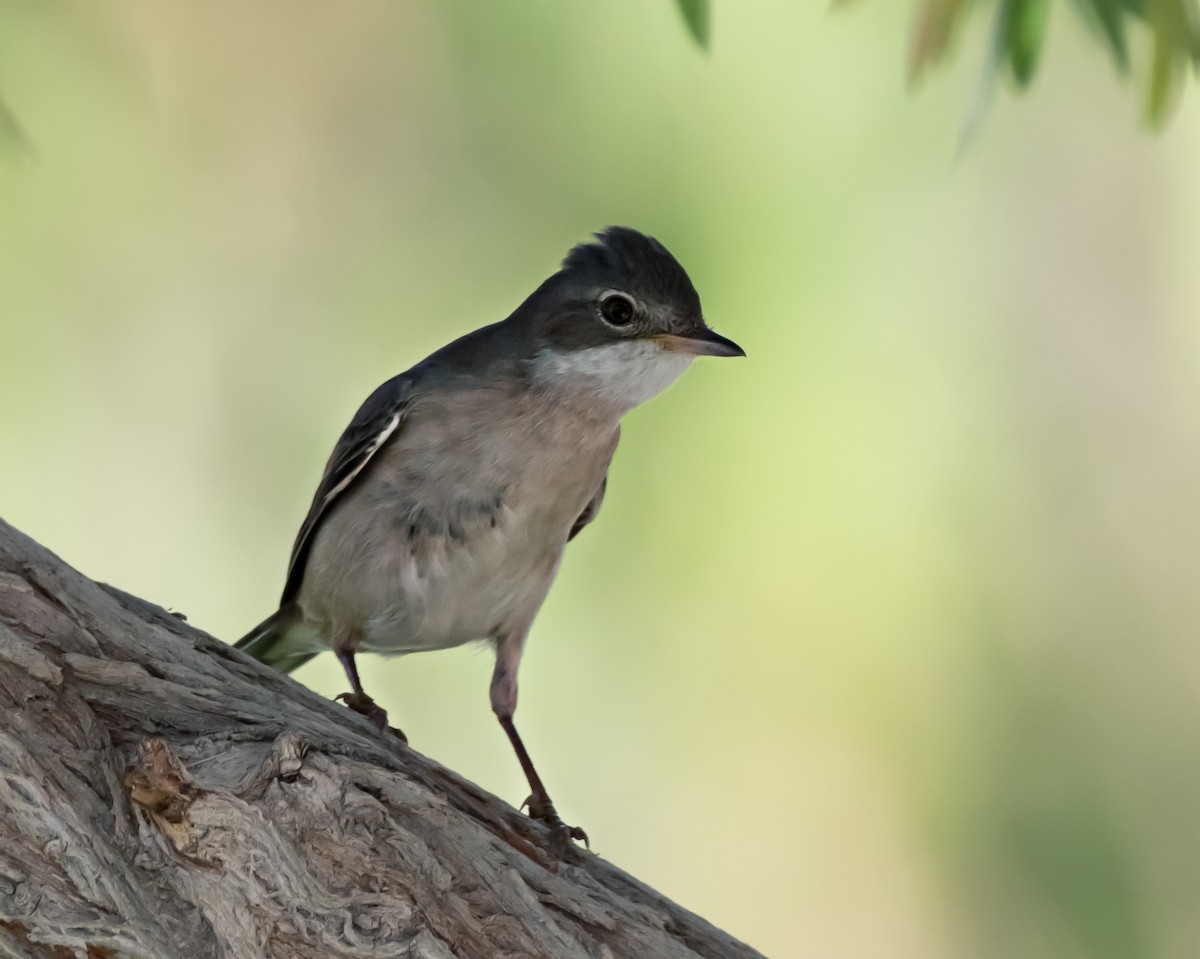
[(504, 704)]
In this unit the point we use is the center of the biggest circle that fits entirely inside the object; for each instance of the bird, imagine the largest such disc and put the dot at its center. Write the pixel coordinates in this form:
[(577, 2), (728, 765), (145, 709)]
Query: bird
[(445, 508)]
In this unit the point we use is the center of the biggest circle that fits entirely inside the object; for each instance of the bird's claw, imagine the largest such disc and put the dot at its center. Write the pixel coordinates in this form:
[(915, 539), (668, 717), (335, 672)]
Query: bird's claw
[(364, 705), (542, 809)]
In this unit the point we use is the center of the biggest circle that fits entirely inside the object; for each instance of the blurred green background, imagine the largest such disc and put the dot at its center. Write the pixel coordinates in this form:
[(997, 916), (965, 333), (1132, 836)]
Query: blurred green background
[(885, 642)]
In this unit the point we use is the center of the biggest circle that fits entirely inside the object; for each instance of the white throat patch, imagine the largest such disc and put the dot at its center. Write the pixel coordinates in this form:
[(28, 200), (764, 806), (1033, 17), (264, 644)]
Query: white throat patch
[(619, 375)]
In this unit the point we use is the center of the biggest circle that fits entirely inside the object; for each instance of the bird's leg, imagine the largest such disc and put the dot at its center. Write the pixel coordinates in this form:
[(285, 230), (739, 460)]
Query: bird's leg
[(358, 700), (504, 704), (541, 807)]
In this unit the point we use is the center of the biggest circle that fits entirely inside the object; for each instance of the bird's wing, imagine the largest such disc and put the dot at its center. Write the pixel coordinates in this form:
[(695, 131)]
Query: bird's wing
[(589, 511), (593, 506), (377, 421)]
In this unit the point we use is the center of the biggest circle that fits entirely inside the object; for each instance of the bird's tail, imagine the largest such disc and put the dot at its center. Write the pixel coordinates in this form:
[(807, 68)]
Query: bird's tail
[(280, 641)]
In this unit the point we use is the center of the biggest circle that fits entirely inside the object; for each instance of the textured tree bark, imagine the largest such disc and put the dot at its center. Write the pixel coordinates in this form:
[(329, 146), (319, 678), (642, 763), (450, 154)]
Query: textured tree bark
[(163, 796)]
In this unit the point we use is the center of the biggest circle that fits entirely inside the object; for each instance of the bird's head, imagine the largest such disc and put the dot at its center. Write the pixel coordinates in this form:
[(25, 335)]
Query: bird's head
[(620, 321)]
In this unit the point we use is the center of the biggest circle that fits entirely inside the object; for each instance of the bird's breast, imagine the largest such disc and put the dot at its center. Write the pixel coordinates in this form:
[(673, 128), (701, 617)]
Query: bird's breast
[(454, 534)]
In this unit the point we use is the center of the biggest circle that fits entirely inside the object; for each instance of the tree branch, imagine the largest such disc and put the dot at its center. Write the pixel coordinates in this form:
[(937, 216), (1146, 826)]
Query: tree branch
[(162, 795)]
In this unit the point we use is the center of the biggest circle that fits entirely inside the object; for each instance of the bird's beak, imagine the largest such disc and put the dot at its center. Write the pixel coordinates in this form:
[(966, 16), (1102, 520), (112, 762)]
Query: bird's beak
[(704, 343)]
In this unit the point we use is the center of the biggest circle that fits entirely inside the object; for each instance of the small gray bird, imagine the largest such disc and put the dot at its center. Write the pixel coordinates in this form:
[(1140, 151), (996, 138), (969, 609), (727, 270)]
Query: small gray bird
[(447, 503)]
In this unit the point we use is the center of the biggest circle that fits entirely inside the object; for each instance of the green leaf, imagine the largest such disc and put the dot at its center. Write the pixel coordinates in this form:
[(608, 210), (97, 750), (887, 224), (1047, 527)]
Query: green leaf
[(1191, 15), (1024, 28), (1107, 17), (696, 16), (1168, 22), (982, 100)]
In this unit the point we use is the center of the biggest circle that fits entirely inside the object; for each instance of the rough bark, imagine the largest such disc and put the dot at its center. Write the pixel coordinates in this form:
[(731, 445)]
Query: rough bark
[(164, 796)]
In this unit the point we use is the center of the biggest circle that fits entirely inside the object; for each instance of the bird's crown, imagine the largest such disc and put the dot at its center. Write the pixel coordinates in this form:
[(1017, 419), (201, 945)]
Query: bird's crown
[(627, 261)]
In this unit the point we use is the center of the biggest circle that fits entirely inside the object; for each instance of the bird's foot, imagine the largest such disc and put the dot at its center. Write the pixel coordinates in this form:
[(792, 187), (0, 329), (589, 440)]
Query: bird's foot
[(364, 705), (542, 809)]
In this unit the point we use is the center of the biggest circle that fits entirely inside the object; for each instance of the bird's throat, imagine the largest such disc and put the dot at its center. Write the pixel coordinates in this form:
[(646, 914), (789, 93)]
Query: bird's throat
[(616, 376)]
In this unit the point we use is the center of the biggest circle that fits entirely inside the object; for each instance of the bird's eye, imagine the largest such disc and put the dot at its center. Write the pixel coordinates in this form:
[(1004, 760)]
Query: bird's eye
[(617, 309)]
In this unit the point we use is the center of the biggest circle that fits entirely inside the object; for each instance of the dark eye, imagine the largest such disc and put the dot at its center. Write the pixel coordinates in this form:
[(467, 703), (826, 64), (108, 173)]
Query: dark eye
[(617, 309)]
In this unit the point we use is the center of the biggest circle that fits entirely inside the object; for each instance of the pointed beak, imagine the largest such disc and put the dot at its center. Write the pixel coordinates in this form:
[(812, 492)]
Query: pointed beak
[(704, 343)]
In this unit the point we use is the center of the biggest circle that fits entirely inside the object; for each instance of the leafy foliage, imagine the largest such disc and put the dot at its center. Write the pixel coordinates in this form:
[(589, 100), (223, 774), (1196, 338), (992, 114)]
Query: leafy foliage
[(696, 16), (1019, 28)]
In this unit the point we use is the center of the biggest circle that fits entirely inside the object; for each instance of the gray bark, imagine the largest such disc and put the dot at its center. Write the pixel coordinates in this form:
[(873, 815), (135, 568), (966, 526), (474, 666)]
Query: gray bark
[(163, 796)]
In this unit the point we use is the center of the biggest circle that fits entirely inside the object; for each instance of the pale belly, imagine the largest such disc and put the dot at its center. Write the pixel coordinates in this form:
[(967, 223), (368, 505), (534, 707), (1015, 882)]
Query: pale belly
[(395, 572)]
